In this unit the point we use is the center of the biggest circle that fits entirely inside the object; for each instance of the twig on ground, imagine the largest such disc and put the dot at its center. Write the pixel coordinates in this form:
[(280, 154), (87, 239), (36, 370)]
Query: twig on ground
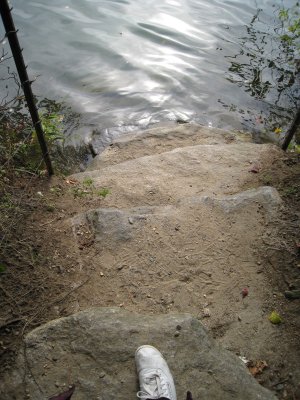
[(56, 301), (280, 382), (11, 322)]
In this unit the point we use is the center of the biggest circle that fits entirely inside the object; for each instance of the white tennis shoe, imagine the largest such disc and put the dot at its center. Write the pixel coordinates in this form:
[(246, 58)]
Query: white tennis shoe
[(156, 381)]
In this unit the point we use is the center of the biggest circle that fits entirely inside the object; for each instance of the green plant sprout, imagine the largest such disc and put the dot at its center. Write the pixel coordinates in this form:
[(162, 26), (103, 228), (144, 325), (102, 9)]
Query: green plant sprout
[(291, 24), (88, 188), (103, 192)]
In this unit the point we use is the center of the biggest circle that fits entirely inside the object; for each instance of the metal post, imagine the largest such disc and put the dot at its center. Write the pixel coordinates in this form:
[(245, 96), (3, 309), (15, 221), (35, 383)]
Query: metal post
[(291, 131), (16, 50)]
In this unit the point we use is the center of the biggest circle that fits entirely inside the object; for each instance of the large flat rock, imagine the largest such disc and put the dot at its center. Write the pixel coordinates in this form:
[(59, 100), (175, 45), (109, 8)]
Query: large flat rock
[(183, 172), (95, 350), (161, 139)]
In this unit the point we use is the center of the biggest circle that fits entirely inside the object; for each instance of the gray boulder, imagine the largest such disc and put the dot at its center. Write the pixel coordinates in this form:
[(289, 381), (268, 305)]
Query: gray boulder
[(94, 349)]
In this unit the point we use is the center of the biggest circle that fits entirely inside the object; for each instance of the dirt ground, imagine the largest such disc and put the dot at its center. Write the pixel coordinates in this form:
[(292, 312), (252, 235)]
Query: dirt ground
[(43, 276)]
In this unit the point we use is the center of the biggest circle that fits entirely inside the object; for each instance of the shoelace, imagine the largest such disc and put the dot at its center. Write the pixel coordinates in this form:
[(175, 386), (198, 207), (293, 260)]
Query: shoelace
[(160, 390)]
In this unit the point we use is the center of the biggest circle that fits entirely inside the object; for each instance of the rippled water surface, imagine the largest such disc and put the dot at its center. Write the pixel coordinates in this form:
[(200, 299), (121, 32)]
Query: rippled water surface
[(130, 63)]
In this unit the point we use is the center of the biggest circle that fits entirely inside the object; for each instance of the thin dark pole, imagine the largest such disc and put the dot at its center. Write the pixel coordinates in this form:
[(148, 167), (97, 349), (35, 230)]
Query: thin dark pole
[(291, 131), (16, 50)]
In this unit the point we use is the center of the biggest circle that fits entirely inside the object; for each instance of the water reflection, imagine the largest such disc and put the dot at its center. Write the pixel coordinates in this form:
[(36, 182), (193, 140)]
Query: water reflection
[(266, 68), (125, 64)]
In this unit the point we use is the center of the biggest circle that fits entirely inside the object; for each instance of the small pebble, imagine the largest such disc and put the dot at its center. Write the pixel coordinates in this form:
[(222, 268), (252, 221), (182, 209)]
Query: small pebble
[(279, 387), (206, 312), (177, 333), (130, 220)]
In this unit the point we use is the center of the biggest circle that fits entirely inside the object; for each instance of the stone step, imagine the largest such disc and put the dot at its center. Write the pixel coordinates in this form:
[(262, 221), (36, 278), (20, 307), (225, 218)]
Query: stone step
[(95, 349), (180, 257), (183, 172), (161, 139)]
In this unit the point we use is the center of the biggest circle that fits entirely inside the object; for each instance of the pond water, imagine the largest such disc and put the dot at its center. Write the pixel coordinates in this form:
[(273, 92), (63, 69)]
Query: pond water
[(127, 64)]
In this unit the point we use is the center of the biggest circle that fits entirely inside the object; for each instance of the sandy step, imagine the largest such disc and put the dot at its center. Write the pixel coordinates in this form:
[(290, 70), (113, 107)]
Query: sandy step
[(183, 172), (161, 139), (194, 256)]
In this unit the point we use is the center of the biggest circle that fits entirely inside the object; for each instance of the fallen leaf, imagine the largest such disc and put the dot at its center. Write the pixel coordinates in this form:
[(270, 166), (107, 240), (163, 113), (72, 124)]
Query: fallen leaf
[(257, 367), (2, 268), (65, 395), (71, 181), (275, 318), (277, 130), (255, 168)]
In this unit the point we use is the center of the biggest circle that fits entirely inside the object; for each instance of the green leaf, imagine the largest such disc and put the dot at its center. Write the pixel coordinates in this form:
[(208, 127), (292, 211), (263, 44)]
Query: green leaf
[(283, 14), (2, 268), (103, 192), (275, 318), (88, 182)]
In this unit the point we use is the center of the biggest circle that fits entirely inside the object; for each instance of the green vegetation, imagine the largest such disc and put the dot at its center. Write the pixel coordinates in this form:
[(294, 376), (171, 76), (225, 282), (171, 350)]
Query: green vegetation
[(87, 188), (266, 66), (290, 191), (51, 123), (2, 268), (266, 179), (103, 192), (19, 148), (291, 24), (88, 182)]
